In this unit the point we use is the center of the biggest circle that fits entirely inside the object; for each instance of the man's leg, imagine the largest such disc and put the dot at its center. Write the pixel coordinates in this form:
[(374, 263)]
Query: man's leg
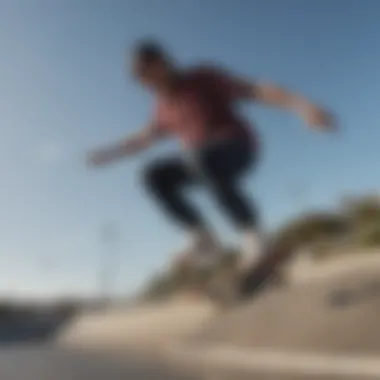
[(221, 165), (166, 180)]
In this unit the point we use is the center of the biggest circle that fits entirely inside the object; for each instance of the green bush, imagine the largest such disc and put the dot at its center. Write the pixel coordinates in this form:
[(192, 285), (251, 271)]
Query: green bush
[(371, 236)]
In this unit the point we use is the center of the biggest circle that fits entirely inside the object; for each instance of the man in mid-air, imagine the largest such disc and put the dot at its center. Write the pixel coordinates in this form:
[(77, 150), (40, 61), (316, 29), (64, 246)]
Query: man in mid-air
[(198, 106)]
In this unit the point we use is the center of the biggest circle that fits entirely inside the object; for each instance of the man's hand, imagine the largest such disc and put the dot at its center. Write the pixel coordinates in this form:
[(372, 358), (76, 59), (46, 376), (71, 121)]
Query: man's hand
[(127, 147), (318, 118), (98, 157)]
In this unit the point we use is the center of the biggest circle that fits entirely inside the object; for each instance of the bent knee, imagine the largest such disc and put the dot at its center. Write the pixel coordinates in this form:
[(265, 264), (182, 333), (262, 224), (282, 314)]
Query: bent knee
[(156, 178)]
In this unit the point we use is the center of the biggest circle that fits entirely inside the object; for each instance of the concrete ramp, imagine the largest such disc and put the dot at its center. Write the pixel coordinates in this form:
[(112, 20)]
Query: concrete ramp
[(144, 326), (340, 315), (332, 307)]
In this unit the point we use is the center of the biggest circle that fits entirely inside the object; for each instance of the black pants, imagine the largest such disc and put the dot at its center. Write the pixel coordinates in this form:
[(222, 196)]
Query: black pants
[(217, 166)]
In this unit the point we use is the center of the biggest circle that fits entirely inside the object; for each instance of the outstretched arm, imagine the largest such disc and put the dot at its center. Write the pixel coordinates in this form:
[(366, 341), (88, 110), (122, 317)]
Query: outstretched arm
[(132, 145), (276, 96), (273, 95)]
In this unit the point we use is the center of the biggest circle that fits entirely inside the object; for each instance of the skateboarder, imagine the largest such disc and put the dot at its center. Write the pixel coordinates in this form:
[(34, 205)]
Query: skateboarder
[(198, 106)]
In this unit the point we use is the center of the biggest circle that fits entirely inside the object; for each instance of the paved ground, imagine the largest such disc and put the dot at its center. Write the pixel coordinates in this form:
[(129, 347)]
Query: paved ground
[(36, 362), (339, 316), (28, 351), (41, 362), (277, 364), (326, 330), (144, 325), (323, 319), (257, 376)]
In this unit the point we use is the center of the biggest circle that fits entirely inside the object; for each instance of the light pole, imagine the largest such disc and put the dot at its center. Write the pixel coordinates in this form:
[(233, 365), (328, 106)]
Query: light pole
[(109, 236)]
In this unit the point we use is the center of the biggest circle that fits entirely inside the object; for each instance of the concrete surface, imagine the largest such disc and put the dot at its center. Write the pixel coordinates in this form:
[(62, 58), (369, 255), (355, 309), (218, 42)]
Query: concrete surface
[(324, 326), (276, 363), (175, 320), (142, 326), (321, 330), (269, 320), (49, 363), (305, 269), (310, 317)]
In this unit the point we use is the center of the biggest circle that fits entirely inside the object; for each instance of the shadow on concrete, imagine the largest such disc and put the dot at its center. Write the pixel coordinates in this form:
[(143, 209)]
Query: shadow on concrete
[(39, 327), (346, 297)]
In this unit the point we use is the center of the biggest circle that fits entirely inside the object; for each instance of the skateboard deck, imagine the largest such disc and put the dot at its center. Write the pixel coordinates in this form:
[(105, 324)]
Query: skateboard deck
[(230, 289)]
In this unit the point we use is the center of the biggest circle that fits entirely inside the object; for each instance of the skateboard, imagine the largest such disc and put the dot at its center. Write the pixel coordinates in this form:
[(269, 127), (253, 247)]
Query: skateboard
[(230, 288)]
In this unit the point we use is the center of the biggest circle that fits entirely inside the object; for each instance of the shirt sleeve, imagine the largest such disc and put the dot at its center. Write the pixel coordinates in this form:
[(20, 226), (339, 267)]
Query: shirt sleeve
[(233, 86)]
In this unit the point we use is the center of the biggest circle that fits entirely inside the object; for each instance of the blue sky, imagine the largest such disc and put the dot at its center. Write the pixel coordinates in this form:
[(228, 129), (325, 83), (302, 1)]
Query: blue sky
[(64, 89)]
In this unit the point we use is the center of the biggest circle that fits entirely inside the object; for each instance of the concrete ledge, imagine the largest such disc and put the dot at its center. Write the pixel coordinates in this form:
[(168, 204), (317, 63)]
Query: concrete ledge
[(148, 325)]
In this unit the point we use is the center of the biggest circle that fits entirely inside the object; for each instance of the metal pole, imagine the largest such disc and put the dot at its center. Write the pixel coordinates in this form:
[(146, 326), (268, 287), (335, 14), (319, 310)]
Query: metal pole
[(108, 265)]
